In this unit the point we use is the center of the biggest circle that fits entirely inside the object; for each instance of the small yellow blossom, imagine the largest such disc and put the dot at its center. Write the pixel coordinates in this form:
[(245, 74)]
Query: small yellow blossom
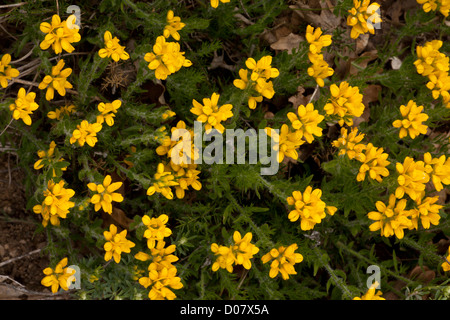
[(362, 17), (56, 203), (113, 49), (427, 211), (391, 219), (163, 282), (349, 143), (316, 40), (156, 229), (116, 243), (23, 106), (438, 169), (211, 114), (284, 259), (262, 68), (105, 194), (433, 5), (174, 25), (371, 294), (49, 157), (307, 122), (286, 143), (58, 35), (108, 111), (446, 265), (320, 69), (163, 181), (166, 58), (374, 161), (61, 276), (215, 3), (6, 71), (345, 103), (243, 83), (86, 133), (412, 177), (411, 124), (56, 81), (59, 113), (187, 177), (238, 253), (168, 114), (309, 208)]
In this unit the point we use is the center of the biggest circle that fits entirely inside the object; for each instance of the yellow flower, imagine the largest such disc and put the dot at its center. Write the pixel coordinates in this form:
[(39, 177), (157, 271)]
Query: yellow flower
[(86, 133), (56, 203), (412, 120), (362, 17), (430, 61), (286, 143), (412, 178), (427, 211), (156, 229), (283, 262), (60, 276), (187, 177), (438, 169), (108, 111), (6, 71), (174, 24), (307, 121), (262, 68), (316, 40), (166, 58), (243, 83), (349, 143), (211, 113), (56, 81), (23, 106), (162, 281), (309, 208), (48, 158), (374, 161), (432, 5), (215, 3), (58, 35), (238, 253), (160, 256), (59, 113), (345, 102), (391, 219), (446, 265), (112, 48), (168, 114), (370, 294), (163, 181), (116, 243), (319, 69), (105, 194)]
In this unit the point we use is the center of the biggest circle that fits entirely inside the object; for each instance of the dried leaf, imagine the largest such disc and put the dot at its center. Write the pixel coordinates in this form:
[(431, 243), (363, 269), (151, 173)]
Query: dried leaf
[(289, 42)]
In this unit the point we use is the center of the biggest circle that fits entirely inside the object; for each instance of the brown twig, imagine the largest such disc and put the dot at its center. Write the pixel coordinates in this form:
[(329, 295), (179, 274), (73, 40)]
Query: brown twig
[(19, 257)]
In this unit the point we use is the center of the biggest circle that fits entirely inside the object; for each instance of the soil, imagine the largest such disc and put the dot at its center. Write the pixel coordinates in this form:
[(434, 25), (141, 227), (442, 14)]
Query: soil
[(20, 271)]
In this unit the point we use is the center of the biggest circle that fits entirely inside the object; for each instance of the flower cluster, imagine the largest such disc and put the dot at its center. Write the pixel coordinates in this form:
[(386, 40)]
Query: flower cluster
[(60, 276), (59, 113), (345, 103), (108, 111), (166, 58), (412, 178), (56, 81), (258, 85), (161, 271), (320, 68), (362, 17), (174, 25), (104, 194), (438, 169), (49, 158), (86, 133), (371, 294), (433, 5), (116, 243), (6, 71), (435, 65), (239, 253), (211, 114), (112, 48), (374, 161), (349, 143), (412, 122), (306, 122), (23, 106), (56, 204), (60, 34), (309, 208), (286, 142), (284, 259)]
